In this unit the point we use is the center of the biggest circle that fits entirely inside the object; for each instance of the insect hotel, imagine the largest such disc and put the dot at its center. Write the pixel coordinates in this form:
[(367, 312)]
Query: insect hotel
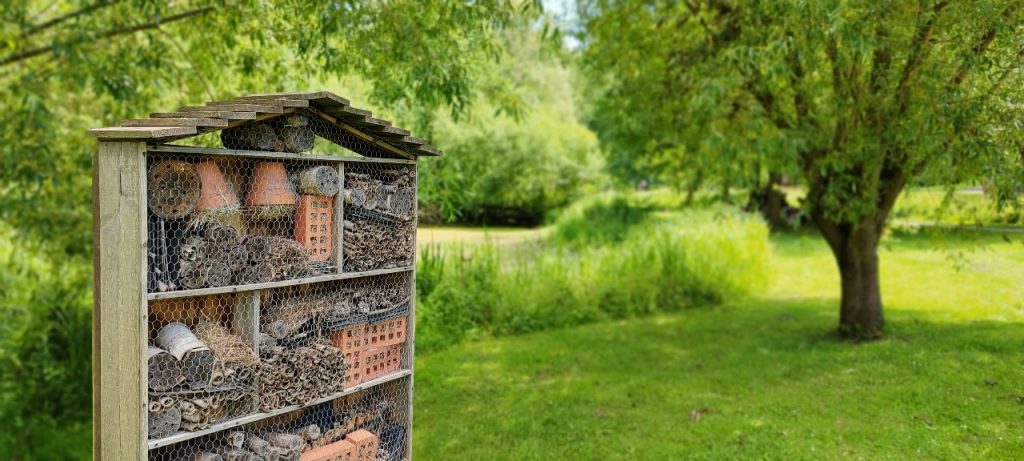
[(255, 283)]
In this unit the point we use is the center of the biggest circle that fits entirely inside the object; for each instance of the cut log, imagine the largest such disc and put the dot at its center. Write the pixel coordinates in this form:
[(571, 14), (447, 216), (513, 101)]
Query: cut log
[(297, 139), (319, 180), (165, 371), (173, 189), (164, 423), (251, 136), (196, 358)]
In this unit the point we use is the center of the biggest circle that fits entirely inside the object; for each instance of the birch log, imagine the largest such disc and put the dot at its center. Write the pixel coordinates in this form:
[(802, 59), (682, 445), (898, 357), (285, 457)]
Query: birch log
[(196, 358), (319, 180)]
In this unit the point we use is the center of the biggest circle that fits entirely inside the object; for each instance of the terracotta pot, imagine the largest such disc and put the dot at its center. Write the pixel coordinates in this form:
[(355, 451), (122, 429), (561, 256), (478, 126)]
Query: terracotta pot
[(215, 191), (270, 186)]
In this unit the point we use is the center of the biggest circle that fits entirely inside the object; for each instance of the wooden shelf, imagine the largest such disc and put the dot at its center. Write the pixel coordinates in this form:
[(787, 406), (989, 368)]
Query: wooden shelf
[(277, 284), (172, 149), (183, 436)]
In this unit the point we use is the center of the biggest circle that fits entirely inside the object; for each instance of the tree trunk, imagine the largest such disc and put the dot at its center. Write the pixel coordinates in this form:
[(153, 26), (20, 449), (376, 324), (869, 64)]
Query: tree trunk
[(860, 307), (774, 204), (856, 251), (691, 188)]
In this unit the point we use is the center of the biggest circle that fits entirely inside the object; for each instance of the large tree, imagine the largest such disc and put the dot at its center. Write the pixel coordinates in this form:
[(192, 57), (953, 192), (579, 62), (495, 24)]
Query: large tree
[(857, 97)]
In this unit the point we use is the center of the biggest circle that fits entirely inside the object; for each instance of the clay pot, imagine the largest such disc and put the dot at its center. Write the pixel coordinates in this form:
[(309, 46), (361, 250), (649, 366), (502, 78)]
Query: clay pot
[(271, 189), (215, 191)]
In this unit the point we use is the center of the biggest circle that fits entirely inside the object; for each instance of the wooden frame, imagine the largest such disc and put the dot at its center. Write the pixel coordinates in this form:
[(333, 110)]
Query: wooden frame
[(122, 300)]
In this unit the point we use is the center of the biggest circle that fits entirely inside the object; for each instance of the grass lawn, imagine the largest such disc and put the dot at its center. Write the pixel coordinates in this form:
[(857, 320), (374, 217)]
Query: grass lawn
[(760, 379)]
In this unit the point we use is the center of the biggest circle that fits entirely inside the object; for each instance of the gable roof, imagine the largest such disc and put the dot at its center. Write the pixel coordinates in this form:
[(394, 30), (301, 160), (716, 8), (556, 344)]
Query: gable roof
[(218, 115)]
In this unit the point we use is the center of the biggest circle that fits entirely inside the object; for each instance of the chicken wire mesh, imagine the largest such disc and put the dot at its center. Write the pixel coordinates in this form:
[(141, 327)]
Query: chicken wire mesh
[(299, 131), (219, 221), (367, 425), (380, 216), (287, 357)]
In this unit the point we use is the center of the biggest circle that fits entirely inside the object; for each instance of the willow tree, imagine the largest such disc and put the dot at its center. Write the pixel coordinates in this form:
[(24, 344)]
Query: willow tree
[(857, 97)]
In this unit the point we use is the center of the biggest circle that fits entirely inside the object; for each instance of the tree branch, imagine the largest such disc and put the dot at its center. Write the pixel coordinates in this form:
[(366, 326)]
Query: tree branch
[(17, 57), (921, 47), (65, 17)]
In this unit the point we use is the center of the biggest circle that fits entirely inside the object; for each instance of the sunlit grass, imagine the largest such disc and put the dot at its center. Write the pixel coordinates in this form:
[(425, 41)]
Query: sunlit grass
[(758, 379)]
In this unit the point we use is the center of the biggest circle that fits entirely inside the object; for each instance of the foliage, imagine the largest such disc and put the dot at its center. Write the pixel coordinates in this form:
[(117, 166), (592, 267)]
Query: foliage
[(503, 168), (758, 378), (45, 347), (682, 259), (69, 66), (962, 207), (857, 97)]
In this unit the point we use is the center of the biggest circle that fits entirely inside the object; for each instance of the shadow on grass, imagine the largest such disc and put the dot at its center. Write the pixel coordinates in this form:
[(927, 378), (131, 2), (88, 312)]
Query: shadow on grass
[(762, 379)]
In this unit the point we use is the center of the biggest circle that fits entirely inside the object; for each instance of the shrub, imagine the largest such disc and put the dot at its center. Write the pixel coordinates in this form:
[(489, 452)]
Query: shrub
[(45, 350), (664, 261)]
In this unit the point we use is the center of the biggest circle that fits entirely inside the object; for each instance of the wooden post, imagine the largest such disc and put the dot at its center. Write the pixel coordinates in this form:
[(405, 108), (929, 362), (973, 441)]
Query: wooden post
[(119, 304), (339, 221)]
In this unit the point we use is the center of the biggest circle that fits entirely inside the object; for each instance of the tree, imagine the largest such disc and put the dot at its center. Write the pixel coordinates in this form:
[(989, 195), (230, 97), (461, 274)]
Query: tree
[(71, 65), (857, 97)]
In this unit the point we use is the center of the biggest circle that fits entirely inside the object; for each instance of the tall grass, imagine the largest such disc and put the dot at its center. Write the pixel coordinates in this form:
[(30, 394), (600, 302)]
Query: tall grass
[(633, 261)]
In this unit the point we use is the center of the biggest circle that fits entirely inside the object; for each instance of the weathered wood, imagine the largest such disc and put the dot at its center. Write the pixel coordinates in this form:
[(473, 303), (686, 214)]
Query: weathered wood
[(115, 133), (245, 318), (275, 284), (337, 228), (196, 121), (228, 115), (231, 107), (166, 148), (119, 304)]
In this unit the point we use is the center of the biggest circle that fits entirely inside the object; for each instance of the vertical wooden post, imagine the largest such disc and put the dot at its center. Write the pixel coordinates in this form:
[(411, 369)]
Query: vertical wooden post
[(339, 222), (245, 318), (119, 304), (411, 334)]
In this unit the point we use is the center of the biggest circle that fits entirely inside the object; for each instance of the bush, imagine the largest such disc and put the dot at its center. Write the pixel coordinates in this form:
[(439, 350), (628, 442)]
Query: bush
[(500, 171), (45, 350), (665, 261)]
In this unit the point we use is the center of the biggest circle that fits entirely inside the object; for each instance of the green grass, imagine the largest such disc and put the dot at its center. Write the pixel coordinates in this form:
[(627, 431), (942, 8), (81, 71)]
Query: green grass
[(758, 379)]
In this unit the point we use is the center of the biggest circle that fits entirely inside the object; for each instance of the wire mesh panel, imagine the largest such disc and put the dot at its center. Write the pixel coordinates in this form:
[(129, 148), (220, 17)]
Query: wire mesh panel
[(380, 212), (370, 425), (219, 220), (201, 365), (327, 333)]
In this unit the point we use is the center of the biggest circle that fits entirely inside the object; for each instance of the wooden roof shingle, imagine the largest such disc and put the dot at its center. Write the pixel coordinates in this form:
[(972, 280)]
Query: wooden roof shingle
[(217, 115)]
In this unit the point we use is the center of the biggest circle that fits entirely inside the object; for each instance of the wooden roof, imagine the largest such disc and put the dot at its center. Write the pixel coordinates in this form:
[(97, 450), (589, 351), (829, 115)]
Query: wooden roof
[(217, 115)]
